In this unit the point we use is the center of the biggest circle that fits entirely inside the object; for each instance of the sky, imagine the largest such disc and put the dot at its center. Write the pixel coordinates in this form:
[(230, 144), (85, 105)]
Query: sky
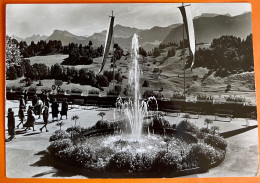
[(24, 20)]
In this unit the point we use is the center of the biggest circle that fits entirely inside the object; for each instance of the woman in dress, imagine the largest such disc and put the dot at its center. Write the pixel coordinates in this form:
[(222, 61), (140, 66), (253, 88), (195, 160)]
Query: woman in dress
[(64, 109), (30, 119), (11, 123), (55, 109)]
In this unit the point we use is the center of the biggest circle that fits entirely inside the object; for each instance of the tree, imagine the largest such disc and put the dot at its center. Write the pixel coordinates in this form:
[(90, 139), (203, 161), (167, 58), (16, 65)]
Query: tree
[(228, 88), (102, 114), (13, 57), (207, 122), (102, 81), (142, 52), (145, 84)]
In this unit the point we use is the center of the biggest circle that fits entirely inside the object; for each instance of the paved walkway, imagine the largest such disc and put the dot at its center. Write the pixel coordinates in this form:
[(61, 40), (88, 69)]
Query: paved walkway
[(26, 154)]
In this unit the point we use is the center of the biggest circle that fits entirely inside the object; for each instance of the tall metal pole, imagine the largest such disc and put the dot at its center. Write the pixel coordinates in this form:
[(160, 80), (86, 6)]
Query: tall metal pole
[(184, 62)]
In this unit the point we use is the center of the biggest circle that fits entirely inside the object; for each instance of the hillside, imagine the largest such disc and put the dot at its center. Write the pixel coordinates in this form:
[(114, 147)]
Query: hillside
[(208, 28), (171, 78)]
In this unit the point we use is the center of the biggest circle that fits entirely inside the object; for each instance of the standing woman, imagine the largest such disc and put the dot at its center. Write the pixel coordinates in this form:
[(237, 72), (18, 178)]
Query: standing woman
[(55, 109), (11, 123), (64, 109), (30, 119)]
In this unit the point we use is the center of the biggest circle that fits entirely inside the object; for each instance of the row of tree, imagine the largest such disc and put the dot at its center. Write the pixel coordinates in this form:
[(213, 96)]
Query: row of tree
[(227, 55)]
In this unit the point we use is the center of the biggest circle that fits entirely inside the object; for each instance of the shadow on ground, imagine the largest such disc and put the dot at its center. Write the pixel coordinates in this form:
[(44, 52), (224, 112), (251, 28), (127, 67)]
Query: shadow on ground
[(57, 171)]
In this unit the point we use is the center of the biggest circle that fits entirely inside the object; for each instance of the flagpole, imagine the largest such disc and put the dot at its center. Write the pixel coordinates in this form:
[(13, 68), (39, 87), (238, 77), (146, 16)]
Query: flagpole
[(113, 57), (184, 85)]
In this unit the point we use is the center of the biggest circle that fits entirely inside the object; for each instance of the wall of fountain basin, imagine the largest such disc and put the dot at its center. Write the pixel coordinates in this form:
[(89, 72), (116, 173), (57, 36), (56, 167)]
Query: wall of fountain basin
[(141, 166)]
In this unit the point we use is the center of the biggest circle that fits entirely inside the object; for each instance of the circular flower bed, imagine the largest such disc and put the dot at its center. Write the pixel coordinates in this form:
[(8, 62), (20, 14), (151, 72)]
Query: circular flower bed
[(155, 155)]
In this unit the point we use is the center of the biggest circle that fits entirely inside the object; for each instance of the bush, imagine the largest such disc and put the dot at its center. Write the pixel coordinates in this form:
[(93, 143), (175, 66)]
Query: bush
[(165, 162), (216, 141), (115, 91), (204, 130), (102, 124), (200, 155), (75, 130), (59, 135), (93, 91), (102, 81), (187, 126), (76, 90), (120, 162), (145, 84), (59, 145), (142, 163), (158, 124)]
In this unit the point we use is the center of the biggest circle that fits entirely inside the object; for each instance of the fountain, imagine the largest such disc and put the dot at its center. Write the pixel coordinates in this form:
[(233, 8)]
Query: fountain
[(111, 149)]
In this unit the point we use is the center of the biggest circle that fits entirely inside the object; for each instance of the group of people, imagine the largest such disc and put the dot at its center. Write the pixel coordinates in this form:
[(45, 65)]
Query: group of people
[(40, 107)]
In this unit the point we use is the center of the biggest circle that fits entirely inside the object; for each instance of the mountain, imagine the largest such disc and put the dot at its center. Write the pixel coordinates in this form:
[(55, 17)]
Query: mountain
[(148, 38), (17, 38), (151, 38), (28, 40), (66, 37), (35, 38), (209, 15), (208, 28)]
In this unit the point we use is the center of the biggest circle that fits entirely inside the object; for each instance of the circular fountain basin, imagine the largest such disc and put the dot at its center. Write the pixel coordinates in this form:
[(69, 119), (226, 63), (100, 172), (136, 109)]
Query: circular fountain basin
[(147, 144)]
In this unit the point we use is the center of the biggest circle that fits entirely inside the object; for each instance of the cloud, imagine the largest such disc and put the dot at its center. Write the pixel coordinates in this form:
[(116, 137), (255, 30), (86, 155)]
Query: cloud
[(85, 19)]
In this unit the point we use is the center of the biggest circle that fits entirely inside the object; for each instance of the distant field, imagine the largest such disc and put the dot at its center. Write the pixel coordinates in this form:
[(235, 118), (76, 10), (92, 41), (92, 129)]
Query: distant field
[(48, 60)]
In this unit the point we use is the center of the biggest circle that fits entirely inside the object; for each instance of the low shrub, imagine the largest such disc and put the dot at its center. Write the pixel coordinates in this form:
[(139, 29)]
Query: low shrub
[(216, 141), (187, 126), (120, 162), (142, 163), (93, 91), (76, 90), (75, 130), (59, 145), (59, 135), (158, 124), (204, 130), (200, 155), (165, 162), (102, 124)]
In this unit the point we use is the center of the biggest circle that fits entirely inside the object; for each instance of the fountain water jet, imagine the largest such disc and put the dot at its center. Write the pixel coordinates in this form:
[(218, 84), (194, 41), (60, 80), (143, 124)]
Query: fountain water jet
[(135, 109)]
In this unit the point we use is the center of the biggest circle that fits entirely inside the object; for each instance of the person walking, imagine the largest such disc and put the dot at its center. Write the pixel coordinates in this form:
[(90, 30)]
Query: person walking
[(45, 115), (34, 101), (30, 119), (55, 109), (11, 123), (25, 95), (64, 109), (38, 107), (22, 103), (21, 116)]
